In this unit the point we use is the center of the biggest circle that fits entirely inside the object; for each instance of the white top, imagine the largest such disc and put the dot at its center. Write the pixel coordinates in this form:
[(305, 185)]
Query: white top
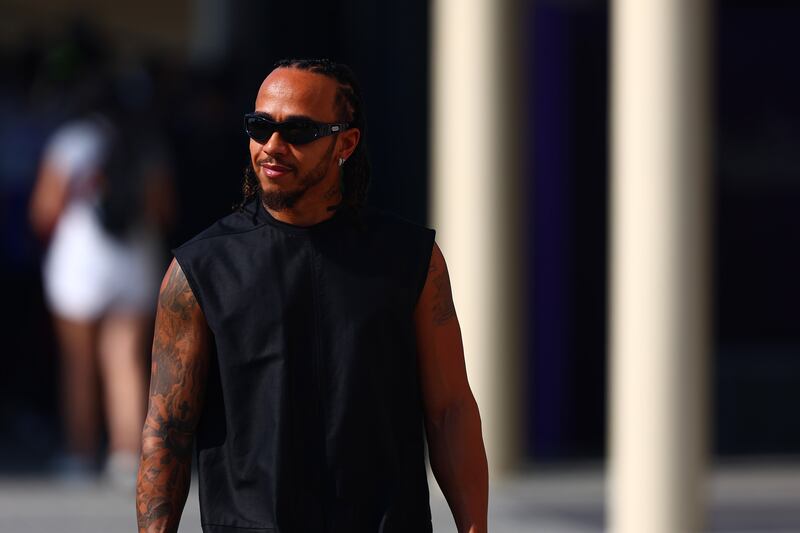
[(87, 272)]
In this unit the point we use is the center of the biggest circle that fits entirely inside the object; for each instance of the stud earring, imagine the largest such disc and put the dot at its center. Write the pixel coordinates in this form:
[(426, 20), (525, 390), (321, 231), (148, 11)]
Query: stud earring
[(341, 161)]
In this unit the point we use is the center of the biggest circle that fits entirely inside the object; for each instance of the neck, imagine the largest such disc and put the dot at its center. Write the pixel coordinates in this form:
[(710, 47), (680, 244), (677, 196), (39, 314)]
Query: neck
[(308, 213)]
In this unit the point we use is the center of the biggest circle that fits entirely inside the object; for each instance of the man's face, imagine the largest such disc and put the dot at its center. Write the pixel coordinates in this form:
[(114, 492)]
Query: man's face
[(288, 172)]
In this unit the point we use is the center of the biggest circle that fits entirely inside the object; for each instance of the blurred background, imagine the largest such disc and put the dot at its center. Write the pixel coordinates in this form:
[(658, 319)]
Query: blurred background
[(187, 70)]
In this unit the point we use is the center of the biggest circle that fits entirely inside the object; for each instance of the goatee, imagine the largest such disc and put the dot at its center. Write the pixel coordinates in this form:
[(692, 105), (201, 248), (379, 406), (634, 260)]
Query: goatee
[(278, 200)]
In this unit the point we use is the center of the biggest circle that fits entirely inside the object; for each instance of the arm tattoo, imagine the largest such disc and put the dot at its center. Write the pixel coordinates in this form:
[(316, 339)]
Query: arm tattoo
[(180, 366), (443, 308)]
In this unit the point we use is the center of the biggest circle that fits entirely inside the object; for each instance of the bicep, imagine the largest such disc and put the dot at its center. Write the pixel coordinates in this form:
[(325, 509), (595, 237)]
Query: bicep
[(440, 349), (180, 355)]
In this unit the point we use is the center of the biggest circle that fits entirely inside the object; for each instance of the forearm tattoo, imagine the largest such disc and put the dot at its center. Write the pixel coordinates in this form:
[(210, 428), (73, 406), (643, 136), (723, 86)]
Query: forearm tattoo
[(443, 308), (179, 369)]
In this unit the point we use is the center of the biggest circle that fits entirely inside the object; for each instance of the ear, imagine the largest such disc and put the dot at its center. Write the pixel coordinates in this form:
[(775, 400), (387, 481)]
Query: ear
[(348, 141)]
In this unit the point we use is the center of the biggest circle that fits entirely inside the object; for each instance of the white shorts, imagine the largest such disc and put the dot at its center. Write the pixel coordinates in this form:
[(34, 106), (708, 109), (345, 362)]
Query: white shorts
[(88, 273)]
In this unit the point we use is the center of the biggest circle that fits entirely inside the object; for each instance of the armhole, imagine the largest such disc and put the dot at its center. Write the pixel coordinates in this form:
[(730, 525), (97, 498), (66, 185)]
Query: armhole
[(187, 272), (427, 254)]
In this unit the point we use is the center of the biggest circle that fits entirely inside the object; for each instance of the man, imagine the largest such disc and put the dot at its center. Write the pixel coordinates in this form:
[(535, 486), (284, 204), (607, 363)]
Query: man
[(305, 340)]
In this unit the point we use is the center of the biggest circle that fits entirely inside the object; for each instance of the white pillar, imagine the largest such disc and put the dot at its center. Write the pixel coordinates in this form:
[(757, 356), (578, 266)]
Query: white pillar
[(475, 139), (659, 329)]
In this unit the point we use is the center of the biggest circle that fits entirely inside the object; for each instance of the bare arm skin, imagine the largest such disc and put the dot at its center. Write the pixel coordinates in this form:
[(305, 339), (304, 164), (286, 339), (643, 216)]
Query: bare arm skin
[(452, 420), (177, 387), (47, 201)]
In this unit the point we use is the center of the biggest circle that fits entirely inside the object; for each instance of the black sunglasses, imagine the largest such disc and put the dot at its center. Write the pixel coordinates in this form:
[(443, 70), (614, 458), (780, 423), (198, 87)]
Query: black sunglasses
[(293, 131)]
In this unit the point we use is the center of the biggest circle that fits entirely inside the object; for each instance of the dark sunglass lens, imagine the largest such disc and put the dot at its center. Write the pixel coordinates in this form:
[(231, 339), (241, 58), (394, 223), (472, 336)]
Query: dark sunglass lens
[(299, 132), (259, 129)]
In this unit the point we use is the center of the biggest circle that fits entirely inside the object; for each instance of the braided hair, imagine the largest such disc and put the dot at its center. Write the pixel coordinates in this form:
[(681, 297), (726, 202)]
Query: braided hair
[(349, 105)]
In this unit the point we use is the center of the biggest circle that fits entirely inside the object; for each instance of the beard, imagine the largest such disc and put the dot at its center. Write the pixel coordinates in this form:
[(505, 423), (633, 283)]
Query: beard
[(278, 200)]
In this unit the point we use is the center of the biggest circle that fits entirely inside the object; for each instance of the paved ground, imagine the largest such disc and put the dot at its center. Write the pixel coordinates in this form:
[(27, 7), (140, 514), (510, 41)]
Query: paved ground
[(743, 499)]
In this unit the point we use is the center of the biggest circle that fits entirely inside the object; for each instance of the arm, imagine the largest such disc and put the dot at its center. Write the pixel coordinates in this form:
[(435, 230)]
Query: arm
[(177, 386), (47, 201), (452, 421)]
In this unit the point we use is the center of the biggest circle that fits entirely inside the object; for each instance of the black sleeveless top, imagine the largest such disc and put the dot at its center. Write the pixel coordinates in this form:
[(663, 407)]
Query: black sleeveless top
[(313, 419)]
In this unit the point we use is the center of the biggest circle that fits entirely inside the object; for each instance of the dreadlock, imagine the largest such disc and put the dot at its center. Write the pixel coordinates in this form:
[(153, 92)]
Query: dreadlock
[(356, 171)]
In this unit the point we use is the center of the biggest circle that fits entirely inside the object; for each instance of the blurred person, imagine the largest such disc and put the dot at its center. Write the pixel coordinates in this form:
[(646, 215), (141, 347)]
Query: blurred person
[(102, 193), (308, 344)]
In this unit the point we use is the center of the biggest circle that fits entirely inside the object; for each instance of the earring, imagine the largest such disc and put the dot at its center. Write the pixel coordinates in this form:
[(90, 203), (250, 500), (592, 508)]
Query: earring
[(341, 161)]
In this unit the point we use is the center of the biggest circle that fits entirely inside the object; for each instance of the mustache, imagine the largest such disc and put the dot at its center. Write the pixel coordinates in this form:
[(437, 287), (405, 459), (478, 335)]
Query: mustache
[(271, 160)]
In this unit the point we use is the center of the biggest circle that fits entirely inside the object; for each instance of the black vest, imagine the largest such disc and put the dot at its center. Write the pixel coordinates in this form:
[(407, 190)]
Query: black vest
[(313, 419)]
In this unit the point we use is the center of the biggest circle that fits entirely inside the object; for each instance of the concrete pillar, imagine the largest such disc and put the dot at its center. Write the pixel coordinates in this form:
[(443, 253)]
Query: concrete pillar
[(476, 136), (659, 329)]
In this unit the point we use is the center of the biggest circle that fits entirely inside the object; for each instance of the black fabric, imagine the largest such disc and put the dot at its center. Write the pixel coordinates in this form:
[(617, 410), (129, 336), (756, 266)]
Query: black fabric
[(313, 415)]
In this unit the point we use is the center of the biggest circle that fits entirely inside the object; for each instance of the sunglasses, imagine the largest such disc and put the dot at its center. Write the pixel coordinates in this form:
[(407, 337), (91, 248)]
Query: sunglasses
[(293, 131)]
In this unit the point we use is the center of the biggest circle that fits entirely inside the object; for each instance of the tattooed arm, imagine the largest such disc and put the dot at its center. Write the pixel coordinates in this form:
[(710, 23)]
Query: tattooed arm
[(177, 386), (452, 420)]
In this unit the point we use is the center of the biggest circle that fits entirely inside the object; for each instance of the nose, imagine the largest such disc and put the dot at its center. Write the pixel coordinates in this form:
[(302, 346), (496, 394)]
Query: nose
[(274, 145)]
